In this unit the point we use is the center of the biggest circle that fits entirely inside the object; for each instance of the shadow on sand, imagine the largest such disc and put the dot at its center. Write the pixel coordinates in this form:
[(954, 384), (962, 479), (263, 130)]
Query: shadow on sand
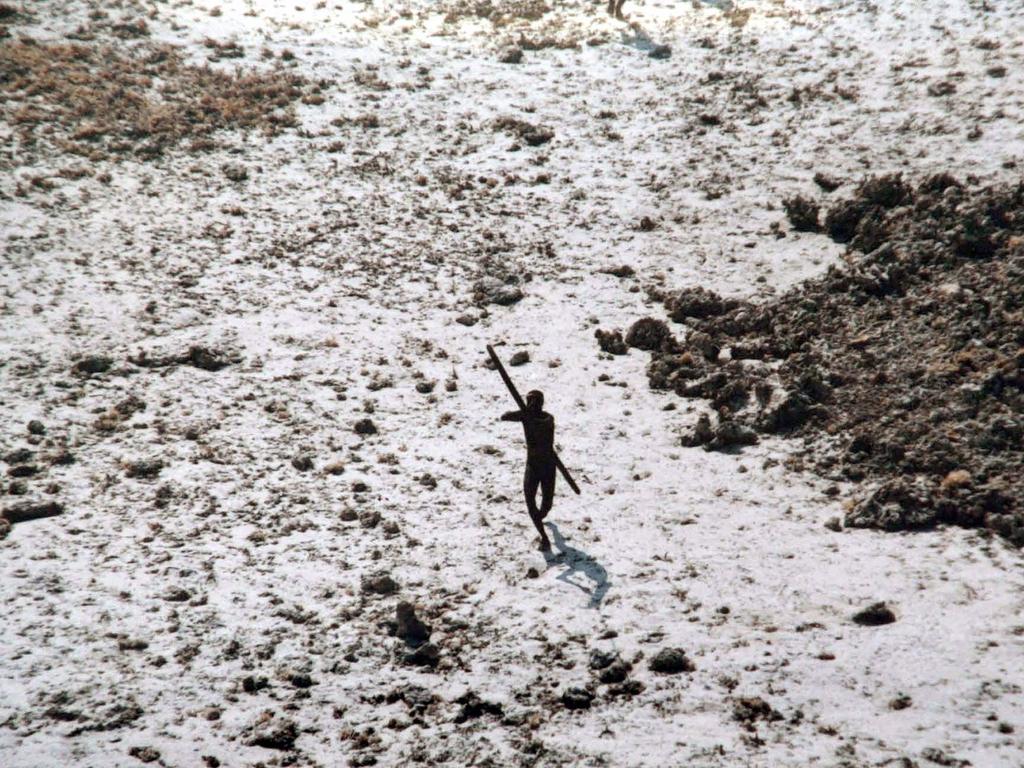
[(578, 562)]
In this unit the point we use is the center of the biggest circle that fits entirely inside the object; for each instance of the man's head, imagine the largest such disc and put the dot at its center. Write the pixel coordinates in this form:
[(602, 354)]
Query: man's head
[(534, 400)]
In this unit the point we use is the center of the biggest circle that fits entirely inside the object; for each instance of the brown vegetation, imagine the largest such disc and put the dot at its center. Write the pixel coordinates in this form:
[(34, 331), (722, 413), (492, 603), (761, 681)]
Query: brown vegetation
[(96, 100)]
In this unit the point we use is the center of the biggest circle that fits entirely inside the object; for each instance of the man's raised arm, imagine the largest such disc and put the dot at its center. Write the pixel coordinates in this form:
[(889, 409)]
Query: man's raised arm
[(512, 416)]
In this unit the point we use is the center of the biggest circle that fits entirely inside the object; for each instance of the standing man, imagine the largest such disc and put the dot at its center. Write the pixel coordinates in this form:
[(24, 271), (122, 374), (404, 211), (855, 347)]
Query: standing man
[(615, 8), (541, 464)]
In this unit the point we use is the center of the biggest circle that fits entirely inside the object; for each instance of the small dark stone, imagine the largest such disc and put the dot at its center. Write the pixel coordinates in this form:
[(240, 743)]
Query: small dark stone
[(660, 52), (235, 171), (611, 342), (427, 655), (18, 456), (144, 469), (303, 462), (875, 615), (900, 702), (206, 359), (616, 672), (409, 627), (252, 684), (23, 470), (522, 357), (827, 182), (623, 270), (378, 584), (36, 427), (301, 680), (511, 55), (599, 659), (144, 754), (648, 334), (177, 595), (750, 709), (802, 213), (671, 661), (425, 387), (92, 364), (577, 698), (472, 707), (627, 688), (274, 734), (365, 427)]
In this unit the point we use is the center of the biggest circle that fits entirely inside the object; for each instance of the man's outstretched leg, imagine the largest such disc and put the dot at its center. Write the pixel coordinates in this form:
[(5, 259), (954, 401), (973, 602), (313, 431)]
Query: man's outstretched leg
[(547, 490), (530, 483)]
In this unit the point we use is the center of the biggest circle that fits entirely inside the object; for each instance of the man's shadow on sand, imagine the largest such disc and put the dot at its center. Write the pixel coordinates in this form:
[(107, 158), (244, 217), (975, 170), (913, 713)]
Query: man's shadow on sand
[(578, 562)]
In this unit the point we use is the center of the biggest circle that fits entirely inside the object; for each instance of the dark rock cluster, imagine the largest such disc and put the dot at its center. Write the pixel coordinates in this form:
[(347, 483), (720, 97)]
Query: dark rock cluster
[(904, 366)]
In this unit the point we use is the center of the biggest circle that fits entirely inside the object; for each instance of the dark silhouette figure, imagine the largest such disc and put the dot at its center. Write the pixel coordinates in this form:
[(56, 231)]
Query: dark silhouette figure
[(615, 8), (541, 468), (578, 561)]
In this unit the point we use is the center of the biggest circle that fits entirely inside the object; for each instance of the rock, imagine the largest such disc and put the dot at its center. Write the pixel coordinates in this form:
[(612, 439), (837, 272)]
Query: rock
[(697, 303), (802, 213), (92, 364), (23, 470), (490, 290), (303, 462), (522, 357), (416, 698), (5, 528), (577, 698), (532, 573), (623, 270), (143, 469), (408, 626), (144, 754), (834, 524), (900, 702), (25, 511), (875, 615), (425, 387), (176, 594), (611, 342), (207, 359), (365, 427), (600, 659), (274, 733), (427, 655), (646, 224), (729, 434), (749, 709), (628, 688), (251, 684), (235, 171), (379, 583), (660, 52), (301, 680), (702, 433), (827, 182), (843, 218), (512, 54), (473, 707), (466, 320), (671, 661), (18, 456), (616, 672), (648, 334), (36, 427)]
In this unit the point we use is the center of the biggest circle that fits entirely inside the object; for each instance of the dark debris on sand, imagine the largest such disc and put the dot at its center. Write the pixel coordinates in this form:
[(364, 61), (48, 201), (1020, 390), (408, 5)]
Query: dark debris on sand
[(904, 366)]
